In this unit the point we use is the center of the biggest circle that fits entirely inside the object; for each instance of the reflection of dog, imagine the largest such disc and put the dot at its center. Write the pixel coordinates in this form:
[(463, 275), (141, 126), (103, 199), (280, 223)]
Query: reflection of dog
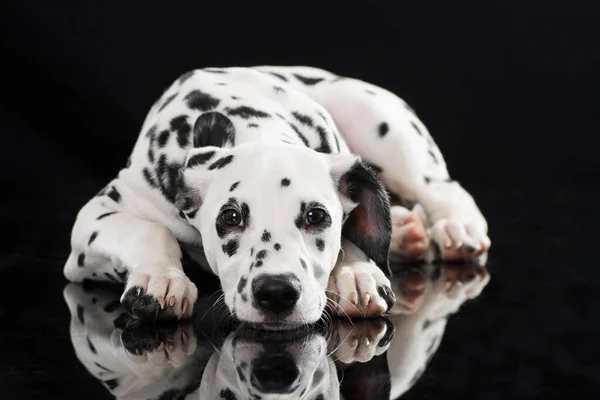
[(248, 165), (426, 297), (135, 360)]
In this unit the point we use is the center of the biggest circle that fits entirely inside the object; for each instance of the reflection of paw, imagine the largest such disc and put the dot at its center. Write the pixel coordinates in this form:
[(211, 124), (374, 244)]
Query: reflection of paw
[(159, 345), (463, 281), (168, 295), (359, 290), (458, 240), (409, 238), (410, 293), (360, 341)]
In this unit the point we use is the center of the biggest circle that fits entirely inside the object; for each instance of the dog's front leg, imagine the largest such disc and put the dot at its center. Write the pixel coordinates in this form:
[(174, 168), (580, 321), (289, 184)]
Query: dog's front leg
[(156, 286), (357, 287)]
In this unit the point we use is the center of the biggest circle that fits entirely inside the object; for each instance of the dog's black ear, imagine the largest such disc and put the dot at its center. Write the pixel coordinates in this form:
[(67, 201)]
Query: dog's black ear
[(367, 208), (213, 129), (197, 173)]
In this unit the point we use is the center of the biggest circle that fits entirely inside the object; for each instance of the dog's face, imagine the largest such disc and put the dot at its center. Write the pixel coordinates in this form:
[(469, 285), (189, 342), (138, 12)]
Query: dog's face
[(271, 216), (252, 367)]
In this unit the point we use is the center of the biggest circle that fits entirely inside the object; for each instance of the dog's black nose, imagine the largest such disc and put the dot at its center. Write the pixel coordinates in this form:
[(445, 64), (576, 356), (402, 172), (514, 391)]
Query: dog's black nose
[(276, 294), (274, 373)]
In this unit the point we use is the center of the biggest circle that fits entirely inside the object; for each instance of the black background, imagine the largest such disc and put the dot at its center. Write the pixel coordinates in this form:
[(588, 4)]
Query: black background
[(509, 90)]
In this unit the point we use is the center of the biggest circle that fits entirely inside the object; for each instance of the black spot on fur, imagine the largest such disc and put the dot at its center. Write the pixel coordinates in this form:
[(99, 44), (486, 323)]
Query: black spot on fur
[(112, 306), (303, 263), (370, 91), (278, 89), (215, 70), (91, 345), (149, 178), (151, 132), (275, 74), (246, 112), (416, 128), (231, 247), (213, 129), (80, 315), (303, 119), (320, 244), (151, 156), (318, 377), (426, 324), (234, 186), (307, 80), (168, 100), (198, 100), (221, 162), (324, 146), (383, 129), (252, 125), (168, 175), (221, 84), (252, 251), (245, 214), (433, 157), (80, 260), (320, 397), (261, 254), (181, 214), (235, 98), (319, 271), (258, 264), (163, 138), (102, 367), (244, 297), (94, 300), (266, 236), (180, 126), (192, 213), (277, 246), (114, 194), (111, 383), (300, 134), (200, 159), (227, 394), (185, 76), (242, 284)]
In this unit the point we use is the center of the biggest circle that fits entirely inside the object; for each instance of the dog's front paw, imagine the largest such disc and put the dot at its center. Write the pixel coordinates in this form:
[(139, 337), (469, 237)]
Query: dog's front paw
[(359, 290), (458, 240), (160, 296), (360, 341)]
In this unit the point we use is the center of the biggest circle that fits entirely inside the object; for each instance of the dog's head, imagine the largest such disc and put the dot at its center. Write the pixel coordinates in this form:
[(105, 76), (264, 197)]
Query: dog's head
[(282, 366), (272, 215)]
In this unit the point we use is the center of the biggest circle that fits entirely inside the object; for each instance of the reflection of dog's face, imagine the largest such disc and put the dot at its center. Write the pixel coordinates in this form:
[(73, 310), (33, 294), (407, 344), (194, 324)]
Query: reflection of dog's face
[(276, 367)]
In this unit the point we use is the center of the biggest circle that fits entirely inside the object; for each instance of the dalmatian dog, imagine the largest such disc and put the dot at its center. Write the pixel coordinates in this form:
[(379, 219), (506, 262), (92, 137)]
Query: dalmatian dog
[(276, 180), (426, 298), (137, 360)]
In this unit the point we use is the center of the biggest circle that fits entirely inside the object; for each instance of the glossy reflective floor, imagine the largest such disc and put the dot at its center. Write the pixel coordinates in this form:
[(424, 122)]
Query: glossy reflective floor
[(525, 326)]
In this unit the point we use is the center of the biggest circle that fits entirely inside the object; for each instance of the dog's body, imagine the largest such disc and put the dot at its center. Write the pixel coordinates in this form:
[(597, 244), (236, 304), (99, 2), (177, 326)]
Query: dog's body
[(253, 172)]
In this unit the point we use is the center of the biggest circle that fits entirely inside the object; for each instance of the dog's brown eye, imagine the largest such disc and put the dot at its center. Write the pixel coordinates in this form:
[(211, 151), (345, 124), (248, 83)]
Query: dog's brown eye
[(231, 217), (316, 216)]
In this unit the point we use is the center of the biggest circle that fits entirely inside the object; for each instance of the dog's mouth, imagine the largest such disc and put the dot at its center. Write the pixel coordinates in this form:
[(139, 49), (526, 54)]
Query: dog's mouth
[(275, 325)]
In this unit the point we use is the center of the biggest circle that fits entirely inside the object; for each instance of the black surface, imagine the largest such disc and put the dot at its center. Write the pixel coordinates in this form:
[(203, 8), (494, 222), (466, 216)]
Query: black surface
[(508, 91)]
